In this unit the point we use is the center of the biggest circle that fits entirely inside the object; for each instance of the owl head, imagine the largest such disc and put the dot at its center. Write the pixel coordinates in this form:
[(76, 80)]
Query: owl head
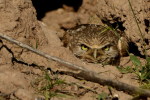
[(96, 43)]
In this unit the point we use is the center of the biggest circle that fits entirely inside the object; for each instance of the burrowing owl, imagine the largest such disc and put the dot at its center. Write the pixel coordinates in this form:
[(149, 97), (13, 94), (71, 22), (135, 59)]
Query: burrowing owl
[(96, 43)]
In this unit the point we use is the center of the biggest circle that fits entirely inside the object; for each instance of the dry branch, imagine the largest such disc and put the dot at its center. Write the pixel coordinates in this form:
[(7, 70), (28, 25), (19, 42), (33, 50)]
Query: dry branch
[(84, 73)]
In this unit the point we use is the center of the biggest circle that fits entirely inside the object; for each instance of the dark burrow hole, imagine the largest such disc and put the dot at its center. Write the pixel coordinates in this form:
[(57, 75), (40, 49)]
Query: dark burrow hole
[(43, 6), (133, 48), (116, 23), (147, 24), (146, 41)]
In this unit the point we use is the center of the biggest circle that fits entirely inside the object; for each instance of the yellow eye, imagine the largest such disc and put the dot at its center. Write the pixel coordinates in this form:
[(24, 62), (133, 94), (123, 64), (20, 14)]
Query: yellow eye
[(84, 47), (107, 48)]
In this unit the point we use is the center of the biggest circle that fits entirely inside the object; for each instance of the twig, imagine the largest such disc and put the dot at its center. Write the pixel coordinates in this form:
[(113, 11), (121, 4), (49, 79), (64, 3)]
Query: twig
[(41, 53), (84, 73)]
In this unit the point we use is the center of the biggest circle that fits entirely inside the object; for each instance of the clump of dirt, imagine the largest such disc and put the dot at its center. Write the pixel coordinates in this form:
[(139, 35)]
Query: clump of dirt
[(19, 68)]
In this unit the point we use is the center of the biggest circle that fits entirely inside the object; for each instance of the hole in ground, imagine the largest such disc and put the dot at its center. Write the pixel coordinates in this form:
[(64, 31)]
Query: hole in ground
[(116, 23), (43, 6), (147, 24), (133, 48)]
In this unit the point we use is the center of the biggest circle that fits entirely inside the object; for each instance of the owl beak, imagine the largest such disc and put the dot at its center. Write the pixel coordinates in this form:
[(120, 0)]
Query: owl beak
[(95, 53)]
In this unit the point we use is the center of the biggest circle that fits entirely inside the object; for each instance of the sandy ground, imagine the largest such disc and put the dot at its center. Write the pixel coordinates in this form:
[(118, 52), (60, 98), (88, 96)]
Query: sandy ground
[(20, 69)]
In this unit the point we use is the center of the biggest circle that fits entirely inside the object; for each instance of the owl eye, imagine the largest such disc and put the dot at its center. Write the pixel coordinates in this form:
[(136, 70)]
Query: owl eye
[(106, 48), (84, 47)]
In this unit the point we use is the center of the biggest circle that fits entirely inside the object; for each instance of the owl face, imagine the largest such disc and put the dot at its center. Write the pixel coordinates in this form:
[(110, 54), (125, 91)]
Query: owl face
[(104, 54), (94, 44)]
